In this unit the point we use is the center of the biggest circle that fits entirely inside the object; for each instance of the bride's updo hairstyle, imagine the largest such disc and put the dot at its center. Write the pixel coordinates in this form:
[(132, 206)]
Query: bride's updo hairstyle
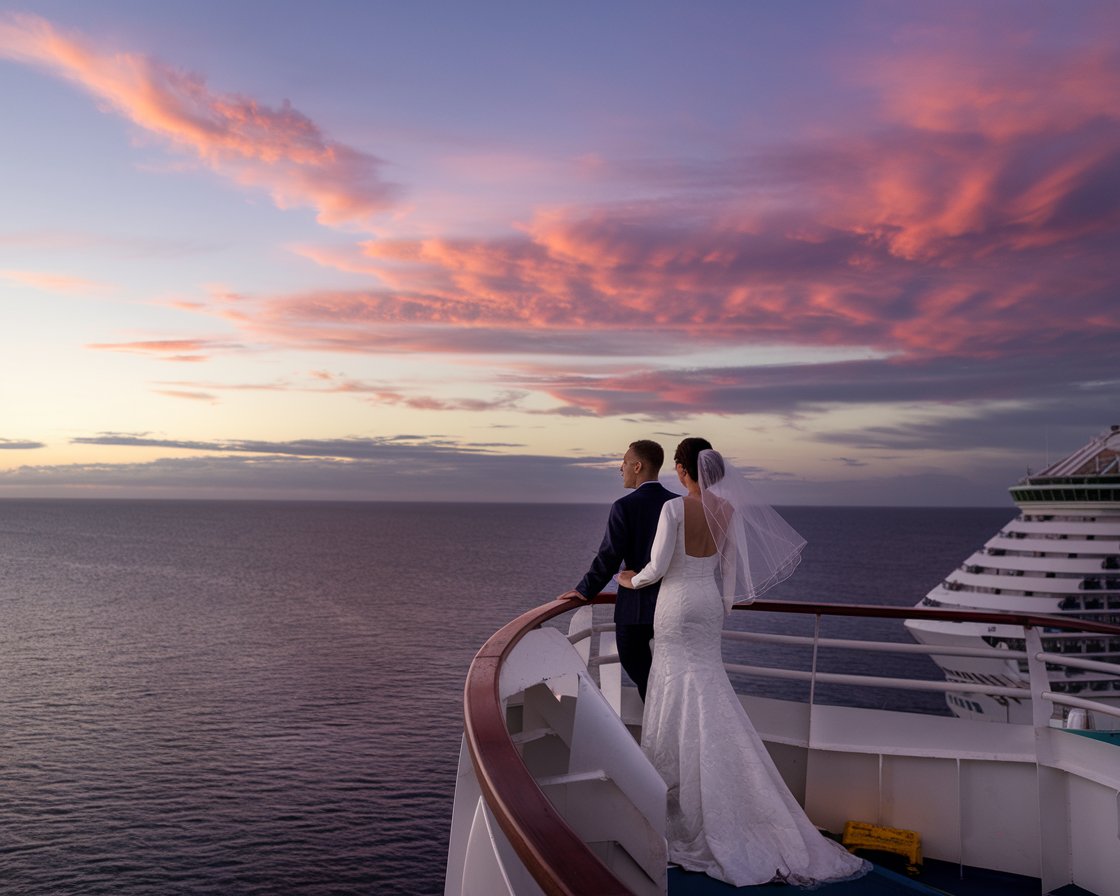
[(688, 455)]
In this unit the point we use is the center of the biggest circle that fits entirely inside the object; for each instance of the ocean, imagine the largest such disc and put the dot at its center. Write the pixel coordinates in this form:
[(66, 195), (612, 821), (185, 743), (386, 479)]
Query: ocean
[(257, 698)]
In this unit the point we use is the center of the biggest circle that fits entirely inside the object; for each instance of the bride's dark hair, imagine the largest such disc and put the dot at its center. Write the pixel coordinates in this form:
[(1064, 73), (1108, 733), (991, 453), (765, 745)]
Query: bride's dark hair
[(688, 453)]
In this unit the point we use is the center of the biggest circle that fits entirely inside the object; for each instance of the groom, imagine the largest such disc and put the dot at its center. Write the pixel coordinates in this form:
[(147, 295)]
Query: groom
[(626, 545)]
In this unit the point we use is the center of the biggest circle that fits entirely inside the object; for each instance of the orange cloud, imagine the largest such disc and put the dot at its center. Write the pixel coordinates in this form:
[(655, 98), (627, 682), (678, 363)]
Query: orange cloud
[(576, 277), (279, 150), (185, 350), (973, 89), (504, 401), (977, 217), (985, 152)]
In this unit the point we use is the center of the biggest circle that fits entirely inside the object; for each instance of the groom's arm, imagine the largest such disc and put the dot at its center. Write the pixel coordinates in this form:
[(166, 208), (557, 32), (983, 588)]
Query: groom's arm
[(609, 559)]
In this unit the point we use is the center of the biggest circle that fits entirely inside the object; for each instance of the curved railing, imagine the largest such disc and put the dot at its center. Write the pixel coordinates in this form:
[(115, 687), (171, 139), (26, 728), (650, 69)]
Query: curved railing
[(554, 855)]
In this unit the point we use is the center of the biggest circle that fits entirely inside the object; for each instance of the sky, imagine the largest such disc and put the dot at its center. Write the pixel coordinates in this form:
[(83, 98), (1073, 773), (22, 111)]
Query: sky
[(470, 251)]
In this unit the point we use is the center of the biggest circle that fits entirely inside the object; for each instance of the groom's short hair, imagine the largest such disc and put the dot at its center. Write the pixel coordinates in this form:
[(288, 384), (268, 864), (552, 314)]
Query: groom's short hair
[(649, 453)]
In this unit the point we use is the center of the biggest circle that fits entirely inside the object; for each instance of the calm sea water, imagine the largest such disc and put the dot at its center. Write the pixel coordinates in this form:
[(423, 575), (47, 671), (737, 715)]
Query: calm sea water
[(233, 698)]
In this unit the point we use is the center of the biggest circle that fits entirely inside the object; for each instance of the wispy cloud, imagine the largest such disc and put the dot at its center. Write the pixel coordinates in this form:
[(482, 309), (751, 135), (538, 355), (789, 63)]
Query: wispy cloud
[(421, 468), (181, 350), (965, 236), (383, 448), (411, 476), (274, 148), (505, 401), (48, 281), (800, 388), (323, 382), (959, 237), (187, 395), (409, 468), (19, 445)]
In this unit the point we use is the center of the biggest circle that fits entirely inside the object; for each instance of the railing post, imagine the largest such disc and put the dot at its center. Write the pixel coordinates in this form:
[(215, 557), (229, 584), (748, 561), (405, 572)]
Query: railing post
[(1041, 708), (813, 667)]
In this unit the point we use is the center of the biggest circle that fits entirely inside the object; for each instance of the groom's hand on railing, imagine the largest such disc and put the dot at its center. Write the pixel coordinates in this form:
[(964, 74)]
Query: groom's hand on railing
[(573, 595)]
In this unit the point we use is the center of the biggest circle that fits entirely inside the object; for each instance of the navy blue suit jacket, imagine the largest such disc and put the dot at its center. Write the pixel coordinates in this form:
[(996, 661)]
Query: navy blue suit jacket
[(626, 545)]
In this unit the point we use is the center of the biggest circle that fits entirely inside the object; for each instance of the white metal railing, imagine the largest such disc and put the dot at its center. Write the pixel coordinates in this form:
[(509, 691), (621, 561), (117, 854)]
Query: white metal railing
[(1038, 688)]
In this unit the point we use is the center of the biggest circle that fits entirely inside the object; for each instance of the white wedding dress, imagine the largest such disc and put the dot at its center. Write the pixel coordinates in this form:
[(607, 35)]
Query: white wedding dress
[(730, 814)]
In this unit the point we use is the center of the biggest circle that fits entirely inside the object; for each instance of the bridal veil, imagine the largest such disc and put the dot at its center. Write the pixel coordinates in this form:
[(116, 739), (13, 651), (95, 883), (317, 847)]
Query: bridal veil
[(757, 548)]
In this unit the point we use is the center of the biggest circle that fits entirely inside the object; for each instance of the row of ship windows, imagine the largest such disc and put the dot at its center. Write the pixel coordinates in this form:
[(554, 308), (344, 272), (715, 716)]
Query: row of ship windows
[(963, 703), (1084, 583), (1028, 495), (1089, 604), (1111, 583), (1090, 584), (1112, 561), (1074, 687), (1063, 518), (1052, 536), (1102, 647), (973, 678)]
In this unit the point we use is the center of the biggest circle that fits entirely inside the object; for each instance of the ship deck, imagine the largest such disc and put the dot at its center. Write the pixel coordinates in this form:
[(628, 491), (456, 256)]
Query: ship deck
[(552, 796), (936, 879)]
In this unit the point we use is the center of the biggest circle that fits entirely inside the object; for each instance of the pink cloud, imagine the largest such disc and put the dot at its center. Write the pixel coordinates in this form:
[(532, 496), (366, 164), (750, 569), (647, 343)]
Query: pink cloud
[(183, 350), (975, 220), (971, 219), (571, 281), (985, 149), (277, 149), (189, 396), (970, 87), (46, 281)]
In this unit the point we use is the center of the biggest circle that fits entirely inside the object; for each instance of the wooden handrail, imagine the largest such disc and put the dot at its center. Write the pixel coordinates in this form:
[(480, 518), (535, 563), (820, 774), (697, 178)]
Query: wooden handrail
[(554, 854)]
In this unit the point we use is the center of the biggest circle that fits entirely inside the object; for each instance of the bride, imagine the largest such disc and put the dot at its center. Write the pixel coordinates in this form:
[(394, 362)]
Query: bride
[(730, 814)]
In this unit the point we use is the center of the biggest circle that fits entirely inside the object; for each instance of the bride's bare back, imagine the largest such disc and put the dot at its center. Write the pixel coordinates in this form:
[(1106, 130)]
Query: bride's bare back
[(698, 541)]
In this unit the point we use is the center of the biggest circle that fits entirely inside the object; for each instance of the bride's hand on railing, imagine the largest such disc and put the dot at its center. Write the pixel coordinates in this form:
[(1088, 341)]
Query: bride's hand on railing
[(626, 577)]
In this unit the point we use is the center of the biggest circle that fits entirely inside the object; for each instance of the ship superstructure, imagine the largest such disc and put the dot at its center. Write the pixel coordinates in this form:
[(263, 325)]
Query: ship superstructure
[(1059, 556)]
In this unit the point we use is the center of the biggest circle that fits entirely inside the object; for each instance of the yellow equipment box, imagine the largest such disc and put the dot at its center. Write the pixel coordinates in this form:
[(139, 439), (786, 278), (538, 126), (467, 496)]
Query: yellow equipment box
[(859, 835)]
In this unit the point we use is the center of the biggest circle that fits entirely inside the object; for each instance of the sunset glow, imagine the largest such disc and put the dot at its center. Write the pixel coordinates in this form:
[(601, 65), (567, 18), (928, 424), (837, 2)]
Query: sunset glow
[(371, 251)]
